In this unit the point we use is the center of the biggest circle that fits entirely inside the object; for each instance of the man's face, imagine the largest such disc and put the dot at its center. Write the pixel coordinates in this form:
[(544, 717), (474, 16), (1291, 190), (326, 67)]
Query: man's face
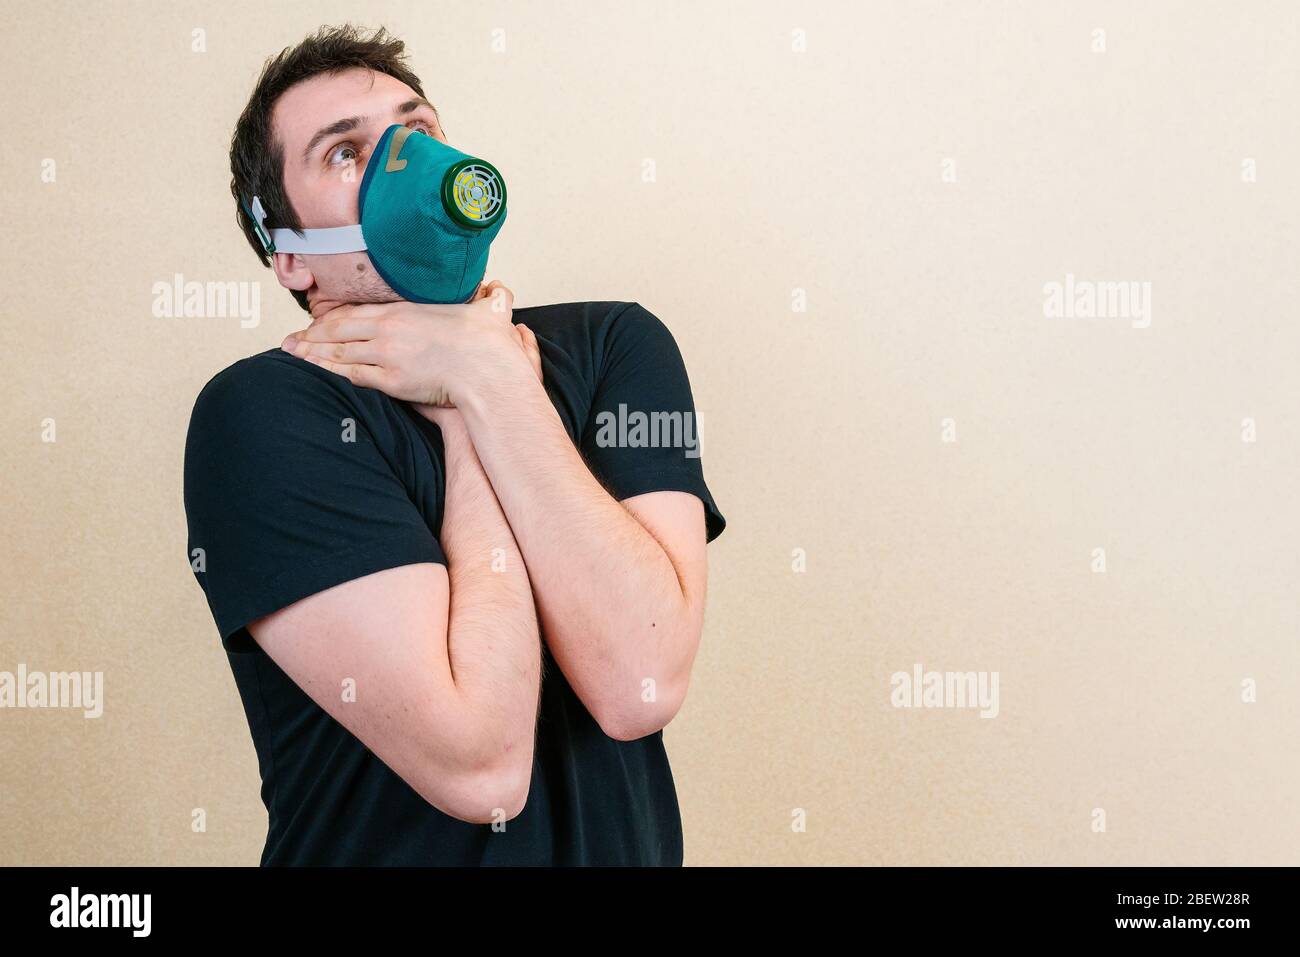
[(328, 127)]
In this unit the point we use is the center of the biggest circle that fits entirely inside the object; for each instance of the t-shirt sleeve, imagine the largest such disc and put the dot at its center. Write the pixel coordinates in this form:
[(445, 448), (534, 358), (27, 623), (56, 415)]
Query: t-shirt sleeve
[(288, 494), (642, 434)]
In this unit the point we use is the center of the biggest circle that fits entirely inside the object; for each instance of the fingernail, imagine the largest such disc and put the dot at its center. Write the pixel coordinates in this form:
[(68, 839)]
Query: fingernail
[(288, 344)]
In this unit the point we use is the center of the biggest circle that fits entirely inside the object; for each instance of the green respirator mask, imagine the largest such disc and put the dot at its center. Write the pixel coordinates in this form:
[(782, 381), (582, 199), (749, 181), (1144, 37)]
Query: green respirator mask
[(428, 215)]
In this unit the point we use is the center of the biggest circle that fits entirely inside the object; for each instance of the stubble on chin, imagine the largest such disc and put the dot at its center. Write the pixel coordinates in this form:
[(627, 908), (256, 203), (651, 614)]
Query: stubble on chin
[(366, 285)]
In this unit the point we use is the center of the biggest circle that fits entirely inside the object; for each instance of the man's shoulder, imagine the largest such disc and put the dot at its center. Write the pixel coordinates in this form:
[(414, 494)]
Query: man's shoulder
[(264, 396), (592, 326), (561, 317), (270, 370), (256, 385)]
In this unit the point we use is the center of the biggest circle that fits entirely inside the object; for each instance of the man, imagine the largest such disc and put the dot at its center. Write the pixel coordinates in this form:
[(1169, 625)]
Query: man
[(460, 605)]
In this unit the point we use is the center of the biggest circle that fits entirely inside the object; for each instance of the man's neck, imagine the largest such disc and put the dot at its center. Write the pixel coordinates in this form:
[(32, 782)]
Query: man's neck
[(321, 307)]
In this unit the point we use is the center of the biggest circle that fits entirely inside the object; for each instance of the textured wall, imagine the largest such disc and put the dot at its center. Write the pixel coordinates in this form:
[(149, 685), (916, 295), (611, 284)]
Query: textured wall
[(921, 172)]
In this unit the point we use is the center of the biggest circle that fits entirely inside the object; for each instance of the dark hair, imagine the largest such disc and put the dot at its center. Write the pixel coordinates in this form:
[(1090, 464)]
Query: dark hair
[(257, 158)]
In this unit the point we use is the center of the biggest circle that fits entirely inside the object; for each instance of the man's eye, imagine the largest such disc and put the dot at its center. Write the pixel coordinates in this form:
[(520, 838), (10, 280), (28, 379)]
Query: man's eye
[(343, 153), (348, 153)]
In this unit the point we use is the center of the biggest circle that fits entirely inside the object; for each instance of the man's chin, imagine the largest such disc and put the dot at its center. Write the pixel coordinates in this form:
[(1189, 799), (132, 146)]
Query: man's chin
[(321, 303)]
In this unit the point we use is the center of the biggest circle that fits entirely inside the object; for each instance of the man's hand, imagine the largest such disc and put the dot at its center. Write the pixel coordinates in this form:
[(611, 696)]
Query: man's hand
[(527, 341), (426, 354)]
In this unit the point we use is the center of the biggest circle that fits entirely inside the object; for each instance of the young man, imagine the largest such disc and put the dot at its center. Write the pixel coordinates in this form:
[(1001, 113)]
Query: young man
[(460, 598)]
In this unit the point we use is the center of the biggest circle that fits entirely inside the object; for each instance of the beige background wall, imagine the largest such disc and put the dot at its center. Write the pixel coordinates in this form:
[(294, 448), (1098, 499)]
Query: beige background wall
[(777, 171)]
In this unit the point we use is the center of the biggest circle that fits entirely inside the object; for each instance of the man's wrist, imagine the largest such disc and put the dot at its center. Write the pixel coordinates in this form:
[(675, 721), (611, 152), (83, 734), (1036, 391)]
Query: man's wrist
[(494, 359), (448, 420), (517, 387), (434, 413)]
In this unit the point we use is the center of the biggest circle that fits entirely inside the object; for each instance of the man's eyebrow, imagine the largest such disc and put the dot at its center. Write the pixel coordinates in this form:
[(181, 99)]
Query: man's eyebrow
[(414, 104), (345, 125), (348, 124)]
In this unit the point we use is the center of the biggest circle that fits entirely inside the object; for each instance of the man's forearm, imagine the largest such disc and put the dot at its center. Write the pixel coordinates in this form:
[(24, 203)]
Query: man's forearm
[(492, 634), (610, 600)]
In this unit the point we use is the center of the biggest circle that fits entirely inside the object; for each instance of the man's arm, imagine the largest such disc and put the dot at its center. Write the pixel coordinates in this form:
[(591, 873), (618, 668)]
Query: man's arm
[(620, 588), (446, 662)]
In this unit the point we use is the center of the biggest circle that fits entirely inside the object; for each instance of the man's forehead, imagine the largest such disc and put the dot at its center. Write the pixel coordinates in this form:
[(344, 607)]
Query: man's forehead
[(312, 103)]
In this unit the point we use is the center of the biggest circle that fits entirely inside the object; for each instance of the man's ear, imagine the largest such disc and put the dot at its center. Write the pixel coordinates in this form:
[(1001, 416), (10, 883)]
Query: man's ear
[(291, 269)]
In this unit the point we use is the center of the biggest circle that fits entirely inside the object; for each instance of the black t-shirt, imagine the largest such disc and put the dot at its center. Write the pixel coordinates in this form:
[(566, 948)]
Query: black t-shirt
[(282, 507)]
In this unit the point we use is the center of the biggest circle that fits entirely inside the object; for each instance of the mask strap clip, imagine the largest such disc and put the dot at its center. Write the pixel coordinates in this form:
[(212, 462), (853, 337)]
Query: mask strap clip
[(258, 215), (321, 242)]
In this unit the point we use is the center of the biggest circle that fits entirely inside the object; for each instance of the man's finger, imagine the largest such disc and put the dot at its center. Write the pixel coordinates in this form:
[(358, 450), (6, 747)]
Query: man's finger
[(362, 376), (365, 351), (529, 343), (348, 327), (503, 300)]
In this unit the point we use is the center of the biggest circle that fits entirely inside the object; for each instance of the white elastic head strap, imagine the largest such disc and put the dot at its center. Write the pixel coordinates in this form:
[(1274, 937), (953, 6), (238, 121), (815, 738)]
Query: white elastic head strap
[(335, 239)]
